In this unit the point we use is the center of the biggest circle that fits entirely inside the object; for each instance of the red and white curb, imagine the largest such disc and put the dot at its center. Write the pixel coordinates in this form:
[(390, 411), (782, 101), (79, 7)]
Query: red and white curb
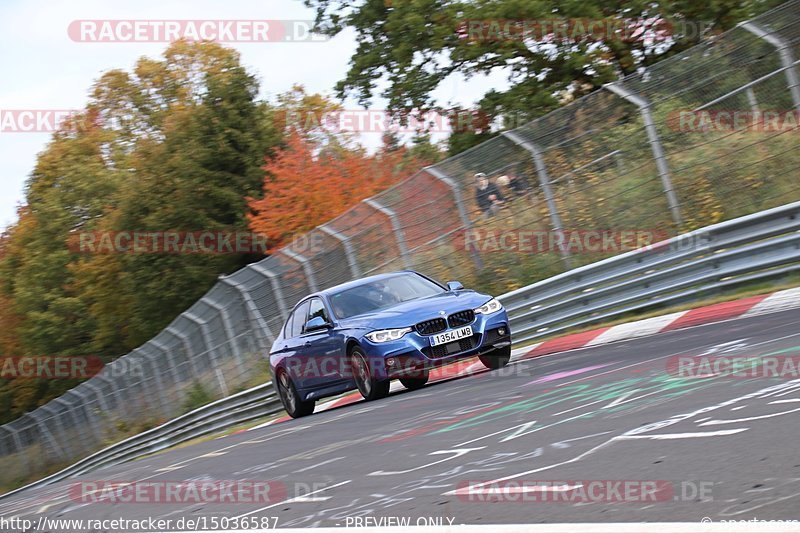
[(747, 307)]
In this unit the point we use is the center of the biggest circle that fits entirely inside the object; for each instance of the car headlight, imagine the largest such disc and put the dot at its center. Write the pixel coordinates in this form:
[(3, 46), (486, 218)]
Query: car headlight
[(492, 306), (387, 335)]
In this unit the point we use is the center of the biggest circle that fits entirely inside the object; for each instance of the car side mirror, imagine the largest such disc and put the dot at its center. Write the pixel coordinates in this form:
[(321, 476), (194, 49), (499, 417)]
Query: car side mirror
[(454, 285), (317, 323)]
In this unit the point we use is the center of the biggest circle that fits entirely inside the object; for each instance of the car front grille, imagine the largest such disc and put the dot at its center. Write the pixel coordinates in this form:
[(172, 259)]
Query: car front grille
[(451, 348), (462, 318), (429, 327)]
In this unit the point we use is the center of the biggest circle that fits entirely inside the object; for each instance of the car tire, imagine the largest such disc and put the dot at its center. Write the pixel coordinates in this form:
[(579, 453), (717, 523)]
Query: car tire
[(416, 381), (369, 387), (496, 359), (295, 407)]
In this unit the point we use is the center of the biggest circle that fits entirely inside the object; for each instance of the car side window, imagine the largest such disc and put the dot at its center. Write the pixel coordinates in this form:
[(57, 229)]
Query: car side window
[(298, 319), (318, 310)]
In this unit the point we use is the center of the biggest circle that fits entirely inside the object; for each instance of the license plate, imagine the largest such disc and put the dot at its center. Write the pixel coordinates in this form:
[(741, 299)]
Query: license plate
[(450, 336)]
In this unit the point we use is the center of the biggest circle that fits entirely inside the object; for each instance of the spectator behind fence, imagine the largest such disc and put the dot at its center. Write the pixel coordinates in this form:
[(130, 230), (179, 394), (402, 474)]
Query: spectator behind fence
[(513, 183), (487, 195)]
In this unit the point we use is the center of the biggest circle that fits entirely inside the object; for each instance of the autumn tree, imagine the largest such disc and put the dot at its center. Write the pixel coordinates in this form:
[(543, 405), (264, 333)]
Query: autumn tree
[(303, 189)]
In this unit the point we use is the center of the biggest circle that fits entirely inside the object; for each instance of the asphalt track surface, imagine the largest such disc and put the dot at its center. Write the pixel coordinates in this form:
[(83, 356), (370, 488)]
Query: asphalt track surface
[(718, 447)]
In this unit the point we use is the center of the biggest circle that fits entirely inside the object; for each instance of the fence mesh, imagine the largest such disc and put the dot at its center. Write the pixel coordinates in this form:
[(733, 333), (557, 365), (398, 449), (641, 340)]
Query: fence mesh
[(631, 156)]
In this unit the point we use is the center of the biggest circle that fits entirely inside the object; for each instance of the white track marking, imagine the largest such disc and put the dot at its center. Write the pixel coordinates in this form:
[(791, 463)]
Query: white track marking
[(696, 435), (748, 419), (297, 499), (318, 465)]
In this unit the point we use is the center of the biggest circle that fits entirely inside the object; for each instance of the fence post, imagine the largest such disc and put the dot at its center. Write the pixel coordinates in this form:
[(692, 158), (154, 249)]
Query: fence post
[(101, 400), (81, 403), (114, 391), (462, 209), (276, 287), (348, 249), (18, 442), (655, 145), (544, 183), (396, 227), (304, 262), (79, 435), (259, 325), (784, 52), (66, 442), (170, 361), (46, 432), (162, 387), (226, 323), (187, 347), (223, 387), (143, 357)]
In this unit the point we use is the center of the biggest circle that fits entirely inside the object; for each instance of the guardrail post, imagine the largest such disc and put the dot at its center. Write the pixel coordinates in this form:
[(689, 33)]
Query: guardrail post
[(348, 249), (304, 262), (544, 183), (462, 210), (396, 227), (223, 387), (276, 287), (784, 52), (257, 321), (655, 145)]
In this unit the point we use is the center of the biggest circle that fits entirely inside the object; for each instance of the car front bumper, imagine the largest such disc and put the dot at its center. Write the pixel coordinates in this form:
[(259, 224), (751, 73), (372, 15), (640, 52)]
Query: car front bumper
[(413, 353)]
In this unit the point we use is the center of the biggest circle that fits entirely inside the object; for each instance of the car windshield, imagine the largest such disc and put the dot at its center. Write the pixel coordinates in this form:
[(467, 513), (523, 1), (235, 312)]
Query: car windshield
[(382, 294)]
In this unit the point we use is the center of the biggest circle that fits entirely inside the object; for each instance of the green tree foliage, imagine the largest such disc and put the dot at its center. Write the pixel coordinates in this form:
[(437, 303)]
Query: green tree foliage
[(176, 144), (409, 47)]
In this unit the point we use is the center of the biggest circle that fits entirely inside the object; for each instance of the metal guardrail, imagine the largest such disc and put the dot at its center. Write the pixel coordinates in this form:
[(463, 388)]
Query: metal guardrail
[(745, 249), (737, 251), (244, 406)]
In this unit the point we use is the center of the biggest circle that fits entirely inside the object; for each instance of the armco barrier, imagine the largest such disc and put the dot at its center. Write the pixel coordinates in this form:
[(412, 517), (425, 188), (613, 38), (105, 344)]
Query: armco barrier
[(237, 409), (738, 251), (618, 158), (729, 253)]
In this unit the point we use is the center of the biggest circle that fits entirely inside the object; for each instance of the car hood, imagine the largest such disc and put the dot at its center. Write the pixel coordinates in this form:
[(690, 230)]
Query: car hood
[(413, 311)]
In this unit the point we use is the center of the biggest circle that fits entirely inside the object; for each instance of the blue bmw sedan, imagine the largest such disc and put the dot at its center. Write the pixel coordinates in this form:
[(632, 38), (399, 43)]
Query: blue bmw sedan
[(365, 333)]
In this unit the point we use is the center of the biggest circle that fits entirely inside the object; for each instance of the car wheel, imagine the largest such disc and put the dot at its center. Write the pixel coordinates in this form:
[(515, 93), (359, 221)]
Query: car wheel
[(496, 359), (416, 381), (295, 407), (369, 387)]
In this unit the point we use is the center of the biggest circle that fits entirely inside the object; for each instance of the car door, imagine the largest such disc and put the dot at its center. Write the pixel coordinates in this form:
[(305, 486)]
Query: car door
[(293, 343), (321, 350)]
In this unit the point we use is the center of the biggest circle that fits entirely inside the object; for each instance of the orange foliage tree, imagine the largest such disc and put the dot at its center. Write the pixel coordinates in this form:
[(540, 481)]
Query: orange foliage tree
[(303, 189)]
